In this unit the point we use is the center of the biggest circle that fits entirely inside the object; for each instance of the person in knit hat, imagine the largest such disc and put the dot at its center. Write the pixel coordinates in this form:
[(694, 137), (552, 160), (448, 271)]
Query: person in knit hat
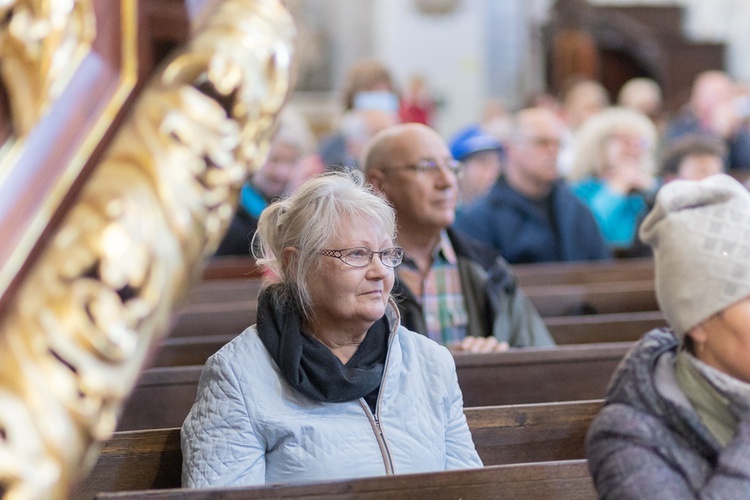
[(676, 420)]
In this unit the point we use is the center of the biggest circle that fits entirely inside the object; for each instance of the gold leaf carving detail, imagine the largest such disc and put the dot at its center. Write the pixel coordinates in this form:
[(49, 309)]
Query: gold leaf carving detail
[(41, 44), (87, 316)]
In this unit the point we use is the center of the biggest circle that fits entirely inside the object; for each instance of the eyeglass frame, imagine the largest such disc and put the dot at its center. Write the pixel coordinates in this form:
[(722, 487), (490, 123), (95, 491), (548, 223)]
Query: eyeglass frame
[(338, 254), (431, 167)]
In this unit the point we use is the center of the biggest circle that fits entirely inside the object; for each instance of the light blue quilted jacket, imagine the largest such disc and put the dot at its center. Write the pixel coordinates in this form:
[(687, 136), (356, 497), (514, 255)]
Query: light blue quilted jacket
[(249, 426)]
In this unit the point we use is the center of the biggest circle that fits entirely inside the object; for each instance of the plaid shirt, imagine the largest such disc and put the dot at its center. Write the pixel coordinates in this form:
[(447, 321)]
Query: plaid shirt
[(439, 293)]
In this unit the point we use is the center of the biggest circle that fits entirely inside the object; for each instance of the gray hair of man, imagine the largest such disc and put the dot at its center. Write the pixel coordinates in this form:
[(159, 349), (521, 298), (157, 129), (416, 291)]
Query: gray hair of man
[(308, 221)]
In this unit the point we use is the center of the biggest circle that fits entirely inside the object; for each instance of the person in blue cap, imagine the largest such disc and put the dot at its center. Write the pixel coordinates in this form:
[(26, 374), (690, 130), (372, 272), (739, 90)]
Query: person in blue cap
[(482, 156)]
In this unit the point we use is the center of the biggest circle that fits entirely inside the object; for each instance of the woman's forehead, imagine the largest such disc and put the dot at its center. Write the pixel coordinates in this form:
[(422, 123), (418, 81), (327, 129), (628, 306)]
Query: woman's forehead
[(362, 229)]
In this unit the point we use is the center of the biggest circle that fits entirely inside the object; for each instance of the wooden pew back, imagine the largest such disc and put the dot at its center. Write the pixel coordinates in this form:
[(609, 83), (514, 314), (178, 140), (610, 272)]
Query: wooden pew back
[(543, 480), (152, 459), (545, 273), (536, 375), (163, 396), (565, 330), (593, 298), (229, 306), (565, 273)]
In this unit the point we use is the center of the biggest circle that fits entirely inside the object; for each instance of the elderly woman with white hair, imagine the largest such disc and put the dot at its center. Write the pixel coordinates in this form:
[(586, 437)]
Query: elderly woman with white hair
[(676, 420), (327, 385), (613, 171)]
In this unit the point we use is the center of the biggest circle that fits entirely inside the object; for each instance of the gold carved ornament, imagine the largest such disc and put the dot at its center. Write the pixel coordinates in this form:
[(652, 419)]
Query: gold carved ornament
[(41, 44), (89, 313)]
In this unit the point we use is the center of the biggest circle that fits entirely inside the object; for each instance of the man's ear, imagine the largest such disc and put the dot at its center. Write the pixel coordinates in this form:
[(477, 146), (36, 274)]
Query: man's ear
[(376, 178)]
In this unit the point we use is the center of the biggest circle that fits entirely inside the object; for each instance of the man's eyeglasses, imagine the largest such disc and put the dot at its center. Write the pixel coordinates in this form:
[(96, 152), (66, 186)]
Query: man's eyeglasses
[(362, 256), (543, 142), (432, 167)]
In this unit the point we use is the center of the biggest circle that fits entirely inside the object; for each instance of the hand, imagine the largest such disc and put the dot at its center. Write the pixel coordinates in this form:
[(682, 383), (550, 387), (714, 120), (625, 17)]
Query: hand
[(479, 344), (628, 177), (724, 120)]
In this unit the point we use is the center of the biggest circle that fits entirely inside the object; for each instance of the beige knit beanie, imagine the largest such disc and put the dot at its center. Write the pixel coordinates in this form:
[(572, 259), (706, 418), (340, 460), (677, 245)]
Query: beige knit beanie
[(700, 234)]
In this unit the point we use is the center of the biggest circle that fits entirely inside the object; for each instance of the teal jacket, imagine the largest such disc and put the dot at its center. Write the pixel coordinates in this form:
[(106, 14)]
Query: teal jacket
[(618, 215)]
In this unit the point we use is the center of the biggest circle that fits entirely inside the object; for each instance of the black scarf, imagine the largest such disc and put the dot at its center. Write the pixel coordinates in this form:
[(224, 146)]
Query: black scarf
[(309, 366)]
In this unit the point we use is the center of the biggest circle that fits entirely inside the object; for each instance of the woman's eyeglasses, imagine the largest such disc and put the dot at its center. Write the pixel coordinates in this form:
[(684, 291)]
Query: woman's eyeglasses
[(362, 256)]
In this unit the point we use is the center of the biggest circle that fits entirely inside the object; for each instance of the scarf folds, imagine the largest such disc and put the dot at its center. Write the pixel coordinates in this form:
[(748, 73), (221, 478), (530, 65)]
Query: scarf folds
[(307, 364), (720, 400)]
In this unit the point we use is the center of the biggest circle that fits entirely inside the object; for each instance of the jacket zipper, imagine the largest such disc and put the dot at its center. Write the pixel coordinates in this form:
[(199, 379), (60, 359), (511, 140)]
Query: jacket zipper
[(380, 437), (375, 417)]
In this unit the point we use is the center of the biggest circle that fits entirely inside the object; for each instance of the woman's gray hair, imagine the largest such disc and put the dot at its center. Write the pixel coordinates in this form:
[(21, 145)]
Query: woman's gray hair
[(307, 221), (588, 159)]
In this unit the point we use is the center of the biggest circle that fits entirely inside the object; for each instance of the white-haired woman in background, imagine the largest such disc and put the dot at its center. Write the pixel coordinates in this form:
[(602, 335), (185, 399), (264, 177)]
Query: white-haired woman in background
[(613, 171), (327, 385)]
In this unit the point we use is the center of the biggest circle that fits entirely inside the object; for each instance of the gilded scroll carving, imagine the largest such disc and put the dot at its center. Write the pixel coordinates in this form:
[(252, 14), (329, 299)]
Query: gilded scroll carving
[(99, 299), (41, 44)]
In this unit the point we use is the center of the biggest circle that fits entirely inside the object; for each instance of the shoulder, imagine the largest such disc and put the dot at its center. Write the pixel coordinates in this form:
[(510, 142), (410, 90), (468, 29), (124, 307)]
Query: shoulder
[(496, 197), (633, 382), (586, 186), (572, 203), (468, 247), (418, 349), (245, 356), (563, 190)]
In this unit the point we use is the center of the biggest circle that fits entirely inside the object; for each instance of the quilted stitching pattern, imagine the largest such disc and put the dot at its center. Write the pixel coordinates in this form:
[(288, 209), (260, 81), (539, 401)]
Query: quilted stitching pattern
[(248, 426)]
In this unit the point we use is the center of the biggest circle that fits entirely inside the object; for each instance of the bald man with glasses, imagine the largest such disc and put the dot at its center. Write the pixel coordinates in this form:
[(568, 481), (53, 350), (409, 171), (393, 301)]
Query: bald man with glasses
[(449, 287), (531, 214)]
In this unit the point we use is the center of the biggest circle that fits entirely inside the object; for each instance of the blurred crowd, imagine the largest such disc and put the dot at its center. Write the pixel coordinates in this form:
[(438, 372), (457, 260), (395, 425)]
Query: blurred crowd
[(565, 177)]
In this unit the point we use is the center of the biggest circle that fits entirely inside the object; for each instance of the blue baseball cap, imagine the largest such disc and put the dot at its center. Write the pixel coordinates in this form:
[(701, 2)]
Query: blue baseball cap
[(473, 140)]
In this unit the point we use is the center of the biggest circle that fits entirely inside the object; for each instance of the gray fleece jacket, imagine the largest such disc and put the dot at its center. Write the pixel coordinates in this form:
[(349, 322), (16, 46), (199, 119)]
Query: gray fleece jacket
[(648, 442)]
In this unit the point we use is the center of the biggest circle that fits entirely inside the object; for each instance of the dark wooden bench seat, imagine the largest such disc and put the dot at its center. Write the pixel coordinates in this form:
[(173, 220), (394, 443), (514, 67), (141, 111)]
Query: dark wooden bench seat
[(598, 328), (163, 396), (229, 308), (538, 375), (568, 479), (593, 298), (551, 300), (151, 459), (545, 273), (564, 273), (590, 329)]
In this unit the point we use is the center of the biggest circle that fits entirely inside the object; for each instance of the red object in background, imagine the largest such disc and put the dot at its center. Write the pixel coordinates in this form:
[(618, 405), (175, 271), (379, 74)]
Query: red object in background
[(417, 105)]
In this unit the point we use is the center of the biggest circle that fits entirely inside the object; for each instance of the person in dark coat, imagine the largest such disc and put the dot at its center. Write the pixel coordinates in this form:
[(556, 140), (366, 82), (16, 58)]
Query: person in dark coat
[(531, 214), (676, 420)]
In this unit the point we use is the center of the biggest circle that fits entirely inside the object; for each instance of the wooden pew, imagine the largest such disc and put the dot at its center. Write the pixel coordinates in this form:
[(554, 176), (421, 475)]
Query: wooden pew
[(535, 375), (230, 267), (546, 273), (593, 298), (221, 318), (163, 396), (568, 479), (549, 299), (566, 273), (227, 307), (596, 328), (152, 459)]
